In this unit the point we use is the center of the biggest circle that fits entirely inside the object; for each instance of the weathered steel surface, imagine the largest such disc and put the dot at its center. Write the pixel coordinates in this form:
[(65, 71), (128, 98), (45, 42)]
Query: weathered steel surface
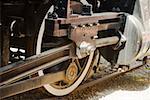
[(87, 19), (107, 41), (35, 70), (30, 84), (87, 32), (32, 65), (5, 46), (32, 62), (0, 48)]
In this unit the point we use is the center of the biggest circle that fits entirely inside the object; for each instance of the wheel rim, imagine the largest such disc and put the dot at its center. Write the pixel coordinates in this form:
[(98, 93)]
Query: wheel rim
[(50, 88), (64, 91)]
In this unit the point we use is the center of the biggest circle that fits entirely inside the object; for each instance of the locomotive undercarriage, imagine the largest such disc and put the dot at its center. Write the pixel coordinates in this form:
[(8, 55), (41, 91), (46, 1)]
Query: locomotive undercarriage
[(73, 37)]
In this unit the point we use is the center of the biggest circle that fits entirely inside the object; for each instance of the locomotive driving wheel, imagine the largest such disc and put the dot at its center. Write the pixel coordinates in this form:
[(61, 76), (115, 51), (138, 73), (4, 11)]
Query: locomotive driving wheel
[(75, 72), (75, 68)]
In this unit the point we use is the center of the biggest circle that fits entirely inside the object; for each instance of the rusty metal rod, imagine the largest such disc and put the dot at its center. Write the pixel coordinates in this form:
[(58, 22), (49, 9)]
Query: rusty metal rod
[(34, 70), (29, 84), (19, 67), (7, 68), (107, 41)]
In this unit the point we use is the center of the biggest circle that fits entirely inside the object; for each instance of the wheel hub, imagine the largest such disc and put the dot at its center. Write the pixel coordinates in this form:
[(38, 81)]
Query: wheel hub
[(71, 72)]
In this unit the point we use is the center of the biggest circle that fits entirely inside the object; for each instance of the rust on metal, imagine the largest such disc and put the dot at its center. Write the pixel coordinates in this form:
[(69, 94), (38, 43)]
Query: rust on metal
[(5, 47), (30, 84), (32, 62)]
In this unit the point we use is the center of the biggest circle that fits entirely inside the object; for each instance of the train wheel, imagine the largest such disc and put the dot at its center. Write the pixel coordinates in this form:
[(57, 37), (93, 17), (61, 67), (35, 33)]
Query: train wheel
[(76, 70)]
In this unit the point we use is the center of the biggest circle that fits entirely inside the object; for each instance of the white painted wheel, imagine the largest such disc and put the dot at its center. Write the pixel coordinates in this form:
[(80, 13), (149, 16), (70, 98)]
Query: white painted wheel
[(67, 90), (49, 87)]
